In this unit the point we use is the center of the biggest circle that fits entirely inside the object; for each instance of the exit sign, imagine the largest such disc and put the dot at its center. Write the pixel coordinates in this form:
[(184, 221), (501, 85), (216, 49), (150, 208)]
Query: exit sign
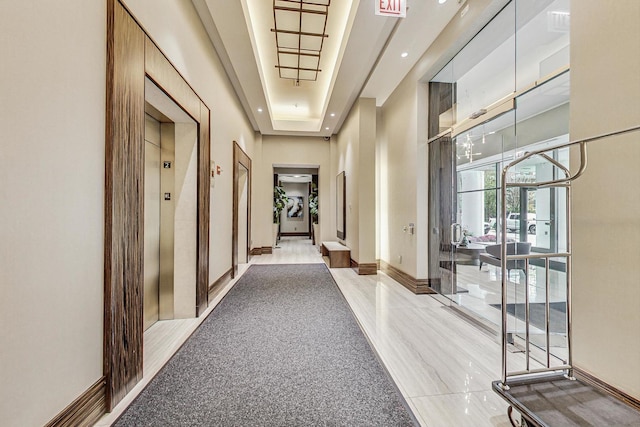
[(396, 8)]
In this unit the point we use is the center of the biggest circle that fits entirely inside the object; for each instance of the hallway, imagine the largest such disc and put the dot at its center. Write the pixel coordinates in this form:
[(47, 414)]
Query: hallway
[(406, 111), (440, 363)]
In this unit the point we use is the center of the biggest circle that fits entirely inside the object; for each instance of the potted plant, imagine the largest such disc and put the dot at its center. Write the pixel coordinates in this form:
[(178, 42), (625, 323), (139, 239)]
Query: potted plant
[(280, 201), (313, 211)]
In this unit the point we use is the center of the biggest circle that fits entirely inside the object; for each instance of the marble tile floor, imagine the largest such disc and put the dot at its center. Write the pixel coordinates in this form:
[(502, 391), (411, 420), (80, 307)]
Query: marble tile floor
[(484, 288), (291, 250), (442, 364)]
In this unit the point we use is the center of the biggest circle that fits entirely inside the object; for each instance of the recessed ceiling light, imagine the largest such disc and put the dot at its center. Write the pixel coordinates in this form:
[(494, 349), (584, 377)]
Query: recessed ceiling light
[(442, 1), (404, 54), (333, 114), (259, 110), (326, 128)]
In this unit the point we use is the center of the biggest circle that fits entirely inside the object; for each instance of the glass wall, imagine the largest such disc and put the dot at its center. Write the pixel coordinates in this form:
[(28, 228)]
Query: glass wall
[(509, 94), (527, 42)]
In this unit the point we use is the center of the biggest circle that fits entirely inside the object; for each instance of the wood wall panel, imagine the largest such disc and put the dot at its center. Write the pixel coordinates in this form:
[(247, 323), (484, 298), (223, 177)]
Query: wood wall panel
[(124, 191), (222, 280), (367, 268), (440, 100), (442, 208), (417, 286), (160, 70), (204, 195), (607, 388), (364, 269), (131, 55), (86, 410), (296, 234)]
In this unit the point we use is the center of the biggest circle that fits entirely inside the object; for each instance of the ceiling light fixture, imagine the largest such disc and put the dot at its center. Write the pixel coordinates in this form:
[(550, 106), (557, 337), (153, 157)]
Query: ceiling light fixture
[(333, 114), (299, 26), (404, 54), (442, 1), (259, 110)]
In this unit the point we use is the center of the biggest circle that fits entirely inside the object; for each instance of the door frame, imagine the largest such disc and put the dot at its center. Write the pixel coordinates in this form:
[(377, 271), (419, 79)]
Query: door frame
[(131, 56)]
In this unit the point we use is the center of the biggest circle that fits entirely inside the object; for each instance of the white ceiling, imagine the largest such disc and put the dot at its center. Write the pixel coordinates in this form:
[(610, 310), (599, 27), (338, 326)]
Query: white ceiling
[(365, 62)]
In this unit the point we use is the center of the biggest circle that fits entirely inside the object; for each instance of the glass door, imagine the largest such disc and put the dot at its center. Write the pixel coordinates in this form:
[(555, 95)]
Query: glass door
[(479, 155), (441, 215), (545, 227), (505, 93)]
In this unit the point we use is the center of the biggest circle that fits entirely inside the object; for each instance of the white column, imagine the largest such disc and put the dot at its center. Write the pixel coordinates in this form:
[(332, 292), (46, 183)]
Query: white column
[(471, 205)]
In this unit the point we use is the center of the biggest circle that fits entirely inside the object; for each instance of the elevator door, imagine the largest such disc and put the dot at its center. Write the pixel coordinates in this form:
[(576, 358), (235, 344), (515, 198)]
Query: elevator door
[(151, 222)]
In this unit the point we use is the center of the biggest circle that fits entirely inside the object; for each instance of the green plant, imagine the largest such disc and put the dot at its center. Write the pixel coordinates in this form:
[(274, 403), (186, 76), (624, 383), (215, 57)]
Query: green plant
[(313, 203), (280, 200)]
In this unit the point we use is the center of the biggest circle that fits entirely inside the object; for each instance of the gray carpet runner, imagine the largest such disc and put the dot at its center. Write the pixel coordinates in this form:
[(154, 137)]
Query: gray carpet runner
[(281, 349)]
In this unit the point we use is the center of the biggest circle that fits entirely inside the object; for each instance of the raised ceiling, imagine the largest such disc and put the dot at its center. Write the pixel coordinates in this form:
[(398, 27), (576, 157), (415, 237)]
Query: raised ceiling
[(360, 57)]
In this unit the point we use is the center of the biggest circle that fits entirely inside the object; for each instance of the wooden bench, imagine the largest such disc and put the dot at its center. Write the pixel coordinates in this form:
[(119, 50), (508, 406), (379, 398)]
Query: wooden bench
[(339, 255)]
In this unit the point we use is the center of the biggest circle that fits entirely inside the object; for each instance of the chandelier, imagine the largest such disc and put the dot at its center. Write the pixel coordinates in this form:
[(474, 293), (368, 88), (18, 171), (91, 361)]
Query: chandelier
[(465, 148), (300, 29)]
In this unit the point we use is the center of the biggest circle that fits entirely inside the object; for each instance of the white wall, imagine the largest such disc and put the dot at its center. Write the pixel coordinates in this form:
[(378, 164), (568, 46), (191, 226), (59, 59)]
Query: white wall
[(403, 151), (52, 173), (355, 154), (345, 159), (261, 199), (243, 219), (52, 164), (177, 30), (366, 191), (298, 152), (605, 88), (398, 177)]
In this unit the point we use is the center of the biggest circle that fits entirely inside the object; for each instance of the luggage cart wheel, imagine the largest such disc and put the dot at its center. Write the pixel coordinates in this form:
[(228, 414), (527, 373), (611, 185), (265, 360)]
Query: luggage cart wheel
[(514, 423)]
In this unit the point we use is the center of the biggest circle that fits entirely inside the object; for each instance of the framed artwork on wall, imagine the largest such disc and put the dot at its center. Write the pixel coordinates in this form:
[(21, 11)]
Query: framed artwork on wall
[(295, 208)]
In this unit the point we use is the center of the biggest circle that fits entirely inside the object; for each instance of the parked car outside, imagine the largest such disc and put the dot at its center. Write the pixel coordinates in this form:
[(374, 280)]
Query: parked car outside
[(513, 222)]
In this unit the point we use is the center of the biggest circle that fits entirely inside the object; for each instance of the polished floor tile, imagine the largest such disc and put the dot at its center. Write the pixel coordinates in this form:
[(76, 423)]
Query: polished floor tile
[(478, 409), (442, 364), (291, 250)]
